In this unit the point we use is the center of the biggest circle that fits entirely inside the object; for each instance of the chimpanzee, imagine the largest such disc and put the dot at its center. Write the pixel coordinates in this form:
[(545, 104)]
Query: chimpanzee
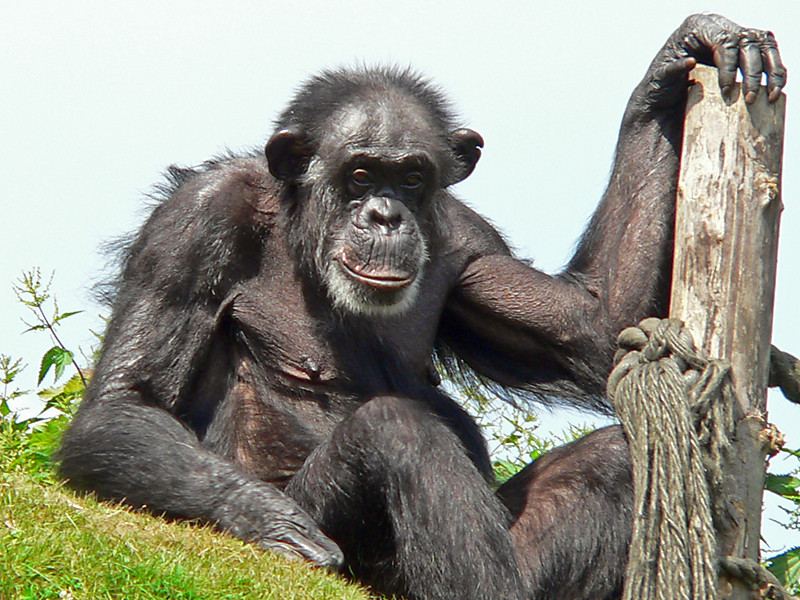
[(269, 368)]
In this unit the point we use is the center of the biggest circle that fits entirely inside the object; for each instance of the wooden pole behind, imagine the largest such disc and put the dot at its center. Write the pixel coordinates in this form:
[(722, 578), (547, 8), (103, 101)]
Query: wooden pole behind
[(726, 240)]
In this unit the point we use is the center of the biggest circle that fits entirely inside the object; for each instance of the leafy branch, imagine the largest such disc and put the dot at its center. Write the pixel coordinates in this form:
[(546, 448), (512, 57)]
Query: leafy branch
[(9, 369), (33, 293)]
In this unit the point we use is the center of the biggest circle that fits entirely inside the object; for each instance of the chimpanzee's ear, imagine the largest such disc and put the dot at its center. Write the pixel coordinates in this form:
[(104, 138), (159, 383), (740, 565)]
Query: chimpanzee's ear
[(288, 153), (466, 146)]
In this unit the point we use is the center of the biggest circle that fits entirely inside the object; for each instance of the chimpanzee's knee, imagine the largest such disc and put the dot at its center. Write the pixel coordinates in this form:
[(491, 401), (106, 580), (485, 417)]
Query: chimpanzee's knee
[(388, 443), (391, 434)]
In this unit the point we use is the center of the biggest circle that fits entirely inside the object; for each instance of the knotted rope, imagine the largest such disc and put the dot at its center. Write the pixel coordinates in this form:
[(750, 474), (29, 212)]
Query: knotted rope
[(676, 409)]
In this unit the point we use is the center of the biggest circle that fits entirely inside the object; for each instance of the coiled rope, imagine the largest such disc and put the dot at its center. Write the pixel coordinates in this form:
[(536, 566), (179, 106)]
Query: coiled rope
[(676, 408)]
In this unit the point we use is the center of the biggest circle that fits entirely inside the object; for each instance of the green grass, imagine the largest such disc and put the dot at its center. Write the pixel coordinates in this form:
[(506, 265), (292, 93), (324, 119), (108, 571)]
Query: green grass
[(55, 544)]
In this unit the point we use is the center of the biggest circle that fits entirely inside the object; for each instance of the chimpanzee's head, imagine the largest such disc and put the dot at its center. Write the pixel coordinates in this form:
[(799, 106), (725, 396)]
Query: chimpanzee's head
[(366, 156)]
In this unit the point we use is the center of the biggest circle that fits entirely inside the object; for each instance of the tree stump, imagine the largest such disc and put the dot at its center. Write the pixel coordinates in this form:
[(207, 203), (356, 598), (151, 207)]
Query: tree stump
[(726, 240)]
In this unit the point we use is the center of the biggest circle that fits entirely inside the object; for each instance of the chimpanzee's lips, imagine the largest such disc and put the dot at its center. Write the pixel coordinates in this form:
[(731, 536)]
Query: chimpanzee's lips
[(384, 280)]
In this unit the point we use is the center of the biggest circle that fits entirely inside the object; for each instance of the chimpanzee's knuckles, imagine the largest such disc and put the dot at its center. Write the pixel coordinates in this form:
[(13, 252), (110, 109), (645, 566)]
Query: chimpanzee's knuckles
[(710, 30), (712, 40)]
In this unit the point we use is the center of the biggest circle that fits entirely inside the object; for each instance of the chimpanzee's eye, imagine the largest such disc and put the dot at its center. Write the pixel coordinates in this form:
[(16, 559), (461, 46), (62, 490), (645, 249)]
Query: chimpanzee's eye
[(359, 182), (361, 178), (413, 180)]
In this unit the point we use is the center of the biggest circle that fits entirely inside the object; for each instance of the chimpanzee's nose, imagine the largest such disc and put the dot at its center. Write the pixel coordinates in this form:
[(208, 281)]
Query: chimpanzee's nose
[(384, 213)]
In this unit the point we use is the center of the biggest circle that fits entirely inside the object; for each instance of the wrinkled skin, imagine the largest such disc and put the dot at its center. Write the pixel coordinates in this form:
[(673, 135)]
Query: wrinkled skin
[(268, 365)]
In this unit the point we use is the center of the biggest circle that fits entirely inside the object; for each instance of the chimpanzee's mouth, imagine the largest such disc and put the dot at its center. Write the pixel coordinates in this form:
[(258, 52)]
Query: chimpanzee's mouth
[(385, 279)]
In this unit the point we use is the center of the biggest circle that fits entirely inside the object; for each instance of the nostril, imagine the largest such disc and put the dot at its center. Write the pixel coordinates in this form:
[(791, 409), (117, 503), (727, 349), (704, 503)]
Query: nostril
[(388, 221), (385, 214)]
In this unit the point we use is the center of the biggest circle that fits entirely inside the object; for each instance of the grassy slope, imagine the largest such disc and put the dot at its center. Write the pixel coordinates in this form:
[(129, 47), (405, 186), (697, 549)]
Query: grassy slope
[(55, 544)]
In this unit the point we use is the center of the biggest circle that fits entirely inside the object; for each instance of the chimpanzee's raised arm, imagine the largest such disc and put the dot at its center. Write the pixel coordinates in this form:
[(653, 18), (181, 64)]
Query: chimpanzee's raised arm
[(555, 334)]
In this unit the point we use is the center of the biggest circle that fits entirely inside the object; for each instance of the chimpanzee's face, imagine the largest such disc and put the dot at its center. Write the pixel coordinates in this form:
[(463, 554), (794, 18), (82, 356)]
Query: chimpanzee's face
[(368, 190)]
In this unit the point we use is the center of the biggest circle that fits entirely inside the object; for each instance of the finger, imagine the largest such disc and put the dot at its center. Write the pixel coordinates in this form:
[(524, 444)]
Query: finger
[(327, 555), (315, 546), (667, 76), (294, 545), (333, 557), (296, 534), (773, 67), (674, 71), (726, 58), (750, 64)]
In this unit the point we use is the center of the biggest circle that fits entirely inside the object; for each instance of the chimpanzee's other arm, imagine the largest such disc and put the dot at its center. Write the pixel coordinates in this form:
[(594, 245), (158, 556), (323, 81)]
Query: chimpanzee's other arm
[(555, 334), (124, 449), (126, 442)]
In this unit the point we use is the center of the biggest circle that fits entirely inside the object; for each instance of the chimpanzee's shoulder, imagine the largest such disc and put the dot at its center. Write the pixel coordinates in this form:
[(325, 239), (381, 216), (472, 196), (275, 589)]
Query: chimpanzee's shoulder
[(470, 233), (240, 187)]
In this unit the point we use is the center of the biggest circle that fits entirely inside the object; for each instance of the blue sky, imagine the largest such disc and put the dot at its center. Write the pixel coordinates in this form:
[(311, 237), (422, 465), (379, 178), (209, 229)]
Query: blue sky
[(99, 97)]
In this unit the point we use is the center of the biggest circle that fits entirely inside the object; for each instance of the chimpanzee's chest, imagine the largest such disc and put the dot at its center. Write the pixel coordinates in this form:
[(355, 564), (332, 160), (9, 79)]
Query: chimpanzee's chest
[(305, 344)]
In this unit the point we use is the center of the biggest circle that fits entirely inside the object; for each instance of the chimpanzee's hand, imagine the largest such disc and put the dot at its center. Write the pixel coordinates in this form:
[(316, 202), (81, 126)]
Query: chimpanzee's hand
[(261, 514), (712, 40), (297, 535)]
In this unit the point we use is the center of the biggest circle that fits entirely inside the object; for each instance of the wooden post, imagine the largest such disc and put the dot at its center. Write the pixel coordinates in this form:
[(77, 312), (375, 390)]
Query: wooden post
[(726, 240)]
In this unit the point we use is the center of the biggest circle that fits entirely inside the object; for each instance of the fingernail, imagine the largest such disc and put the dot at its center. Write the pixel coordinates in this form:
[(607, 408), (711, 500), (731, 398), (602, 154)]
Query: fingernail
[(750, 97)]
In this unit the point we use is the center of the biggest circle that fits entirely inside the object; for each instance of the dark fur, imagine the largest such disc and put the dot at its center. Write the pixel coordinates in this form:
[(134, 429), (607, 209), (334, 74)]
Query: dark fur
[(247, 382)]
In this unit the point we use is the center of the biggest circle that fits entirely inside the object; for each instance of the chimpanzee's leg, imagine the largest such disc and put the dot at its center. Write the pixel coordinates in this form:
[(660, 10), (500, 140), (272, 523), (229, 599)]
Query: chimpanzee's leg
[(573, 515), (395, 489)]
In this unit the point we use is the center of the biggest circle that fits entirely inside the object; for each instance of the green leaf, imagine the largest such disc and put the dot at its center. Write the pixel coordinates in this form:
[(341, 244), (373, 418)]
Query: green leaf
[(785, 486), (65, 315), (786, 567), (10, 369), (55, 357), (73, 386), (64, 398)]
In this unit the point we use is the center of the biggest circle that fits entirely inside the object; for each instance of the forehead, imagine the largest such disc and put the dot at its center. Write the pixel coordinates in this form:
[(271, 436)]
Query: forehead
[(384, 122)]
